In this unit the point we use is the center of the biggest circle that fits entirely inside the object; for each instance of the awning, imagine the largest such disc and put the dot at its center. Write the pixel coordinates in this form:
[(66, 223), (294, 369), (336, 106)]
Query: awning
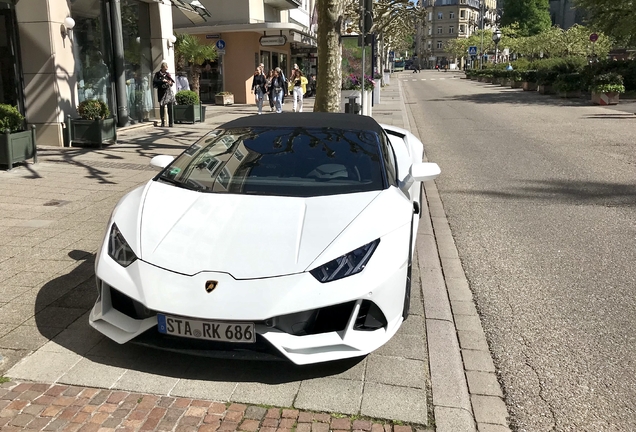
[(192, 9)]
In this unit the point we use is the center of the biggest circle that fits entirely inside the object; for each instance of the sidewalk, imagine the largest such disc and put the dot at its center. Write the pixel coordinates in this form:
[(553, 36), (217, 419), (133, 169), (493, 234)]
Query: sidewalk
[(54, 216)]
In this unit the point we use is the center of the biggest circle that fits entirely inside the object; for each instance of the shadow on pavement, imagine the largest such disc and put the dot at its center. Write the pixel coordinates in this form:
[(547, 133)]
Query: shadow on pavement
[(82, 339), (515, 97), (568, 192)]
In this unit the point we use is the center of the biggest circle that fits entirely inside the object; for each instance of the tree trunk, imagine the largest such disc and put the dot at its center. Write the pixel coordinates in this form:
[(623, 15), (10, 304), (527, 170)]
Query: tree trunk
[(195, 75), (329, 55)]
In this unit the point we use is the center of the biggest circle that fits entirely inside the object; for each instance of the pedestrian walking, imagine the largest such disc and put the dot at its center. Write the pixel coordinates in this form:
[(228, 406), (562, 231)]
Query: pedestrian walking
[(258, 88), (299, 83), (182, 82), (278, 86), (268, 89), (163, 82)]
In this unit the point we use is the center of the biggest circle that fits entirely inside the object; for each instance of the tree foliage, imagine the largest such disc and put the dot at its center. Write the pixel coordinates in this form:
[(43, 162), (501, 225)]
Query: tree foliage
[(189, 50), (533, 16), (616, 18)]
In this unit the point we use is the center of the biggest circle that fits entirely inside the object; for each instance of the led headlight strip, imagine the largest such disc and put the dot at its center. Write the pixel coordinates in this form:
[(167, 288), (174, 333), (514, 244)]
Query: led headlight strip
[(345, 265)]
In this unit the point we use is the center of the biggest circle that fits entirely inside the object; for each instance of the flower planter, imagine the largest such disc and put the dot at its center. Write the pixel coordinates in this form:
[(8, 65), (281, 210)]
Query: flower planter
[(573, 94), (17, 147), (474, 77), (186, 113), (224, 99), (611, 98), (482, 79), (516, 84), (367, 109), (529, 86), (545, 89), (90, 132), (495, 80), (504, 82)]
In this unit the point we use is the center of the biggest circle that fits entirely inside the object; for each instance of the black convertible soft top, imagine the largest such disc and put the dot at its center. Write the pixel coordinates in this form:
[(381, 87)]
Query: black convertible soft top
[(307, 120)]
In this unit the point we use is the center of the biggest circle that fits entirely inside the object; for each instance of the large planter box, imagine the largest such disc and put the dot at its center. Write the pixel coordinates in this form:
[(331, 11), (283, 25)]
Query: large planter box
[(90, 132), (516, 84), (605, 98), (186, 113), (224, 99), (474, 77), (529, 86), (482, 79), (504, 82), (495, 80), (570, 94), (17, 147), (546, 89)]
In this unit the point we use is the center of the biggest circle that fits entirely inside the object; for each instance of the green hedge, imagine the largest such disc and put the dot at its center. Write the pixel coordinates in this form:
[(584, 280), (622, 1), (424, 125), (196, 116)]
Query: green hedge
[(10, 118), (187, 97)]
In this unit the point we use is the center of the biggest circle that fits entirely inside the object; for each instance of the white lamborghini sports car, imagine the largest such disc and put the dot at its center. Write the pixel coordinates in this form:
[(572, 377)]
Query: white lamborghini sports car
[(288, 234)]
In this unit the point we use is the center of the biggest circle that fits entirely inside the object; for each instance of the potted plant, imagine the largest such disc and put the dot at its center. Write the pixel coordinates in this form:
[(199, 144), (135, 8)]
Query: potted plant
[(606, 88), (529, 79), (94, 127), (516, 80), (545, 81), (16, 144), (569, 85), (188, 108), (224, 98)]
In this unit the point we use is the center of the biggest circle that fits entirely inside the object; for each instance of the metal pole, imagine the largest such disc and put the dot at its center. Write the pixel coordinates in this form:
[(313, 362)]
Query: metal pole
[(481, 54), (118, 54)]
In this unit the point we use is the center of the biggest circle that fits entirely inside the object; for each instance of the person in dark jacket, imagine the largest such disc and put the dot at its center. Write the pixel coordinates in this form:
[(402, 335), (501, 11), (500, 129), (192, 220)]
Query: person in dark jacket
[(258, 88), (277, 90), (163, 82)]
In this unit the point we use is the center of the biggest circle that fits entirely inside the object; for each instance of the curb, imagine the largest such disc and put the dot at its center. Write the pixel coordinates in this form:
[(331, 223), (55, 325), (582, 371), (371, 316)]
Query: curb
[(466, 393)]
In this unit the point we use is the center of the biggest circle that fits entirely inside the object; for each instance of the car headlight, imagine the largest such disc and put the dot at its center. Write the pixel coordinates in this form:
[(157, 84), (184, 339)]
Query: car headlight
[(118, 248), (346, 265)]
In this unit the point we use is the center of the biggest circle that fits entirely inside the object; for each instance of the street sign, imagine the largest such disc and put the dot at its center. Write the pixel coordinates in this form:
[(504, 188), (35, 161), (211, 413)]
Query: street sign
[(220, 44), (472, 50), (273, 40), (212, 36), (593, 37)]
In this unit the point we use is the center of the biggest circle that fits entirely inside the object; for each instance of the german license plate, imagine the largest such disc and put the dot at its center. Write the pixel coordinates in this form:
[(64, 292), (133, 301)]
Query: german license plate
[(207, 330)]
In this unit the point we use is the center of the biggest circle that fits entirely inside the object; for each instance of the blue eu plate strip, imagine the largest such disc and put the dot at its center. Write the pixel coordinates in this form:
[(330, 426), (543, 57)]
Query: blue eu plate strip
[(161, 320)]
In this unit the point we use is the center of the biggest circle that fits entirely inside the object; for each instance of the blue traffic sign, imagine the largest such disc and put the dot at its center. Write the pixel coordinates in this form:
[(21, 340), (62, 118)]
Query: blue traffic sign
[(220, 44), (472, 50)]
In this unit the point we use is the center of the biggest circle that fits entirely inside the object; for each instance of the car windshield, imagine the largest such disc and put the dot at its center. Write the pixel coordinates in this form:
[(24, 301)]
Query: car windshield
[(279, 161)]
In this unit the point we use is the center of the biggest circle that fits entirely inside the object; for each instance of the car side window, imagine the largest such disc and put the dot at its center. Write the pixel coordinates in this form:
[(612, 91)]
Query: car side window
[(389, 160)]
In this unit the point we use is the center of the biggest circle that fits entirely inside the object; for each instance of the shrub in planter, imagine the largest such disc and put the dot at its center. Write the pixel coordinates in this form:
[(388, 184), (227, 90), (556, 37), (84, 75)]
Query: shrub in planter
[(187, 97), (569, 85), (529, 79), (16, 144), (94, 127), (188, 107), (546, 79), (606, 88), (516, 80)]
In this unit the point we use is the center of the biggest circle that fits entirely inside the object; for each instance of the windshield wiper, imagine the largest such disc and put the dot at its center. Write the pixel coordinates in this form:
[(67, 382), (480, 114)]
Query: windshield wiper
[(180, 184)]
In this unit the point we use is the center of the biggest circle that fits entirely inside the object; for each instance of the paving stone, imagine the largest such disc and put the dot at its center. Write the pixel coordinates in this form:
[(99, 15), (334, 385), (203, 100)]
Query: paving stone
[(255, 412), (392, 402), (468, 323), (476, 360), (458, 289), (330, 394), (44, 366), (463, 308), (270, 394), (489, 409), (396, 371), (453, 420), (473, 340), (27, 337), (483, 383), (485, 427), (93, 371)]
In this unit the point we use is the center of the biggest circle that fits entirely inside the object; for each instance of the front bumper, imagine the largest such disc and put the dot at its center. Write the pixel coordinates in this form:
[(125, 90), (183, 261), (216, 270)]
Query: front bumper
[(358, 314)]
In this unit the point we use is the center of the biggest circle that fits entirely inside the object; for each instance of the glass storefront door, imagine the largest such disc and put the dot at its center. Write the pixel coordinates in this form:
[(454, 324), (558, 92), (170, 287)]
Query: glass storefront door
[(10, 73)]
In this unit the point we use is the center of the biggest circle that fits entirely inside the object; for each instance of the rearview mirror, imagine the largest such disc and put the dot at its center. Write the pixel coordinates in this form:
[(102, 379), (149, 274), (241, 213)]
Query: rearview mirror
[(161, 161), (425, 171)]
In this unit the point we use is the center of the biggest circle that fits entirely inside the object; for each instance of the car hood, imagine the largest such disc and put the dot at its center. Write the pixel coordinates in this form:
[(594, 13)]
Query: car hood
[(246, 236)]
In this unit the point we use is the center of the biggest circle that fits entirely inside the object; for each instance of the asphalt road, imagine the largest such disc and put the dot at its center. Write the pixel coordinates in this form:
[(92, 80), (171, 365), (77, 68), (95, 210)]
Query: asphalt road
[(540, 194)]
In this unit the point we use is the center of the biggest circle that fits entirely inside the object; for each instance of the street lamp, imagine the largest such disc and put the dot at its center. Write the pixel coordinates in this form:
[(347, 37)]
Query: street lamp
[(496, 37)]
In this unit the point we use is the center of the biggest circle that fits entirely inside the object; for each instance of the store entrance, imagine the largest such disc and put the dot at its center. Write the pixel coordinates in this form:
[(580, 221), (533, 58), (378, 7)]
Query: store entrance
[(10, 73)]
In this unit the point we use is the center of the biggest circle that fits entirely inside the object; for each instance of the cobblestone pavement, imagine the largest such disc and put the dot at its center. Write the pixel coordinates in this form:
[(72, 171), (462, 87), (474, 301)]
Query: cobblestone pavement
[(28, 406)]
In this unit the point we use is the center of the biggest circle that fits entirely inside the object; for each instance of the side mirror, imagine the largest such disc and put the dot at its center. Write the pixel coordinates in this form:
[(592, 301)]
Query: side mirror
[(161, 161), (419, 172), (425, 171)]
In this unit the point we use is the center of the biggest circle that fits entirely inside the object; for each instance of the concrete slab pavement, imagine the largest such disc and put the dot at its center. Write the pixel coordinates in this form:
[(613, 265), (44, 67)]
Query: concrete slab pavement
[(45, 336)]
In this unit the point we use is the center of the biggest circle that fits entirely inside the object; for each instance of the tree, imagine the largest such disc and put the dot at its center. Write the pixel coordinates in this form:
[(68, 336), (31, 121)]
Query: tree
[(190, 51), (533, 16), (616, 18), (330, 24)]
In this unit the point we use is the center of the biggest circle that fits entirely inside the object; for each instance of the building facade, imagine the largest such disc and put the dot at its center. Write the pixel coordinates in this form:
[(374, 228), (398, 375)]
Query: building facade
[(62, 52), (565, 14), (277, 33), (451, 19)]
